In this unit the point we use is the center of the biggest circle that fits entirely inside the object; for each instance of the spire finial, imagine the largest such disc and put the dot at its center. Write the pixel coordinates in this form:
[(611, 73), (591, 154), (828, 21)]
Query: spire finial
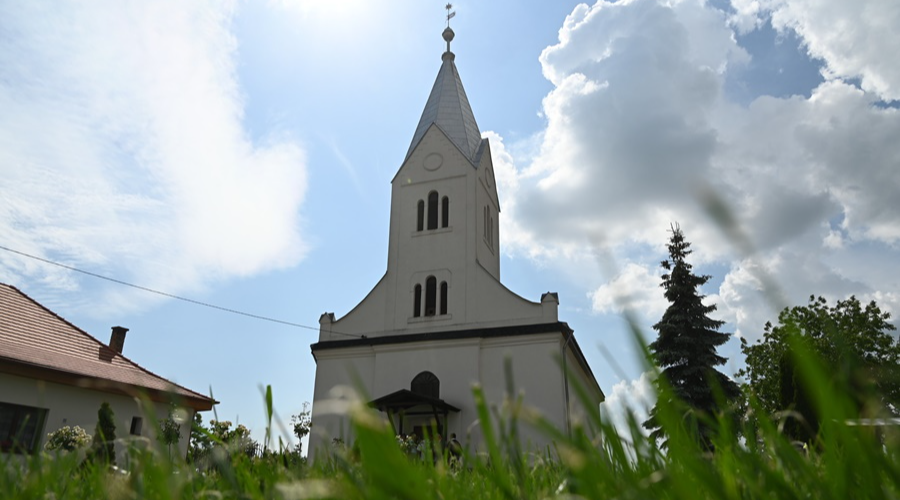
[(449, 14), (448, 33)]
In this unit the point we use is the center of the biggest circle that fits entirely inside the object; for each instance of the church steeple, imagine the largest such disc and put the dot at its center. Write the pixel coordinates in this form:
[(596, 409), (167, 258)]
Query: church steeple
[(448, 108)]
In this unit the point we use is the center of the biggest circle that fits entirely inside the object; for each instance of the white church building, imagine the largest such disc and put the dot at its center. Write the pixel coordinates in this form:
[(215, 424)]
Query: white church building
[(440, 320)]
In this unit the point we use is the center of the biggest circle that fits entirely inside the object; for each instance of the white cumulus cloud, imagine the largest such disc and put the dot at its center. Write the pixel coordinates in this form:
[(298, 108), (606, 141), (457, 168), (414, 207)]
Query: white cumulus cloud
[(123, 151), (640, 131), (856, 40), (636, 289), (629, 399)]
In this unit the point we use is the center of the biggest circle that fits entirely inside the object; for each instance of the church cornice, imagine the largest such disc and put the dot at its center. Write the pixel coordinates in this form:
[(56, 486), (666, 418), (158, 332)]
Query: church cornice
[(560, 327)]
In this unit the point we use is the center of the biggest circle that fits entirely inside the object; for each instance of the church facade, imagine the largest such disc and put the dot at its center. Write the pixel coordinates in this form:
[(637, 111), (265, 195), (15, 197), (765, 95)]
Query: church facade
[(440, 320)]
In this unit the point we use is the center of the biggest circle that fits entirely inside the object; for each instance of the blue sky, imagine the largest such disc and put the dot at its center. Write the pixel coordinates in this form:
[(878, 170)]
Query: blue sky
[(240, 154)]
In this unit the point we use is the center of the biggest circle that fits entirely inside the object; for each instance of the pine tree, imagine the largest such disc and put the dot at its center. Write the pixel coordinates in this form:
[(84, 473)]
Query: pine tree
[(686, 347)]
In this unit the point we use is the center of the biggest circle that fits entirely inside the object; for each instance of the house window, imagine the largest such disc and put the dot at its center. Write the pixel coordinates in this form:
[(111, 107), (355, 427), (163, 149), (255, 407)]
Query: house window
[(426, 384), (445, 211), (420, 215), (432, 210), (417, 301), (430, 296), (136, 424), (20, 427), (443, 297)]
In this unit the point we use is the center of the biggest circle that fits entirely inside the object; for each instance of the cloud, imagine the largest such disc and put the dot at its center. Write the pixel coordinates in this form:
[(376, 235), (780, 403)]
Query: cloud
[(636, 288), (640, 132), (857, 40), (629, 398), (123, 150)]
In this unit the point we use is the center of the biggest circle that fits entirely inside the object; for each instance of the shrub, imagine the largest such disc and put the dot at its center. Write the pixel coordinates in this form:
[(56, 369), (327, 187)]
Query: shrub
[(67, 439)]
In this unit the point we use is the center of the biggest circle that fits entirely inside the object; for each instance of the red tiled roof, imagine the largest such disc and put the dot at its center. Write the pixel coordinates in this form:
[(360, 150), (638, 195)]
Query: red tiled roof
[(32, 335)]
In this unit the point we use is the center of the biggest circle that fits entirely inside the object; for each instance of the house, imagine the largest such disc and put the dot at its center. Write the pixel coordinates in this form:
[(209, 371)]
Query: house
[(440, 320), (53, 374)]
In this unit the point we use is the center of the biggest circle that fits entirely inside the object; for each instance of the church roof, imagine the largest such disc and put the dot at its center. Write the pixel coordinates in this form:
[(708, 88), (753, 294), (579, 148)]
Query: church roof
[(448, 108)]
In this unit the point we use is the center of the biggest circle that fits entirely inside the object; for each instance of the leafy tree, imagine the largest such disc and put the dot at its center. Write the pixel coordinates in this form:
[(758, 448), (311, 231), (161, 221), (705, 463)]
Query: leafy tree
[(686, 347), (220, 433), (852, 341), (169, 430), (104, 444), (301, 423), (201, 441)]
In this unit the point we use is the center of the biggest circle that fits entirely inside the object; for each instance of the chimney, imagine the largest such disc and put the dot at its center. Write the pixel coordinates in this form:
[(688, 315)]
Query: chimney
[(117, 339)]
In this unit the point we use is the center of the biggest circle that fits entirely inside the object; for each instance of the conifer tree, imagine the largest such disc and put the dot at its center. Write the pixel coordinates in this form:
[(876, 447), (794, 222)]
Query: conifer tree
[(685, 350), (104, 445)]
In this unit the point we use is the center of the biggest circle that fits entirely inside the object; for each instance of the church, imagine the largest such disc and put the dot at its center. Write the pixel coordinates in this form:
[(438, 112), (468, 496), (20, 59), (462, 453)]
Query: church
[(440, 320)]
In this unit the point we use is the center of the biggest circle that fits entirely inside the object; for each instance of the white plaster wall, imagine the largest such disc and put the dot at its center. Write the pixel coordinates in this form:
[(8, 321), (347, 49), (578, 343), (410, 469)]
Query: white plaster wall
[(337, 372), (68, 405), (536, 374), (578, 407), (458, 364), (484, 192), (368, 317)]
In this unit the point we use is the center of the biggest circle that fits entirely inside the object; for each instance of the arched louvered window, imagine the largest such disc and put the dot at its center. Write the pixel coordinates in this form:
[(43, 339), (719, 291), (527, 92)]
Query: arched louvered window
[(445, 211), (430, 296), (443, 297), (432, 210), (417, 301), (426, 384), (491, 230), (420, 215), (485, 224)]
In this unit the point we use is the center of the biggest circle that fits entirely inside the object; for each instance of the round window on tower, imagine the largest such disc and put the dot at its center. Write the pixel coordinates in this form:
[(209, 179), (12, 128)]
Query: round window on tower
[(433, 162)]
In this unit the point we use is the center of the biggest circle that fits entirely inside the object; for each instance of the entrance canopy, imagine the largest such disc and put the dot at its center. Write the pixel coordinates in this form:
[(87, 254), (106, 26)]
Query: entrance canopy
[(405, 400), (406, 403)]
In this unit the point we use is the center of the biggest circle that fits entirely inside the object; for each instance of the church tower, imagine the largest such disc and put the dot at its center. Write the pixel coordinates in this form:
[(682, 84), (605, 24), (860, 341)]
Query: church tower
[(440, 313)]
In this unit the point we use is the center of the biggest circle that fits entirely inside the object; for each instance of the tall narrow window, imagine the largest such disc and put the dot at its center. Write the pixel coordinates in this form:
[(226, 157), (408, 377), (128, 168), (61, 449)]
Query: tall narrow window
[(445, 211), (485, 224), (432, 210), (420, 216), (443, 297), (417, 301), (430, 296)]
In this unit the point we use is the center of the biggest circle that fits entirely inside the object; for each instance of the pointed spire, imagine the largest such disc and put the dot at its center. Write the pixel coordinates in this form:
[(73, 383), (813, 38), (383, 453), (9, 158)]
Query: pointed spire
[(448, 107)]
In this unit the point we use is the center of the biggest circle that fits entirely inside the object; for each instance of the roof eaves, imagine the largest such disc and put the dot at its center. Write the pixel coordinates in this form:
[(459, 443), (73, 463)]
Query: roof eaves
[(101, 344)]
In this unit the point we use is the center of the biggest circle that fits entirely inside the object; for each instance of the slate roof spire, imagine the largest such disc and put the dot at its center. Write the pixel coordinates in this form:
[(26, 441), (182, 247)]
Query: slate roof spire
[(448, 108)]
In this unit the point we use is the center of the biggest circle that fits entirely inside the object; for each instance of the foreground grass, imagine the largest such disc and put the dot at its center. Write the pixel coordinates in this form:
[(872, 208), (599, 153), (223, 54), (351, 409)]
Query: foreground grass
[(753, 461)]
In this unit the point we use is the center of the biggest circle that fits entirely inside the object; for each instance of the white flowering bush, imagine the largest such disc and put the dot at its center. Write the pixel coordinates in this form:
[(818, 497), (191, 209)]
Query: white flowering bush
[(67, 439), (408, 444)]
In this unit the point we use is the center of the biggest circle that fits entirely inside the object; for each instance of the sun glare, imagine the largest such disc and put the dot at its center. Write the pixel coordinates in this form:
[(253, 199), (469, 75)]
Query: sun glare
[(328, 9)]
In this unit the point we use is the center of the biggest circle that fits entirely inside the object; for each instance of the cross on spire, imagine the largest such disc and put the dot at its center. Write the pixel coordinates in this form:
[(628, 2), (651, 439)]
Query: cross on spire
[(449, 14), (448, 33)]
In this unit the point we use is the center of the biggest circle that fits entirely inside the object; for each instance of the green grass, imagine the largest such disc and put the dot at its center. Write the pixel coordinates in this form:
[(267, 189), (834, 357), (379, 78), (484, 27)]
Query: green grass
[(750, 461)]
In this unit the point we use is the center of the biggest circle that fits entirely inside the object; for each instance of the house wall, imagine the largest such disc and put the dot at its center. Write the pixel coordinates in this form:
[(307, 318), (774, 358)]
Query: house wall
[(458, 364), (68, 405)]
